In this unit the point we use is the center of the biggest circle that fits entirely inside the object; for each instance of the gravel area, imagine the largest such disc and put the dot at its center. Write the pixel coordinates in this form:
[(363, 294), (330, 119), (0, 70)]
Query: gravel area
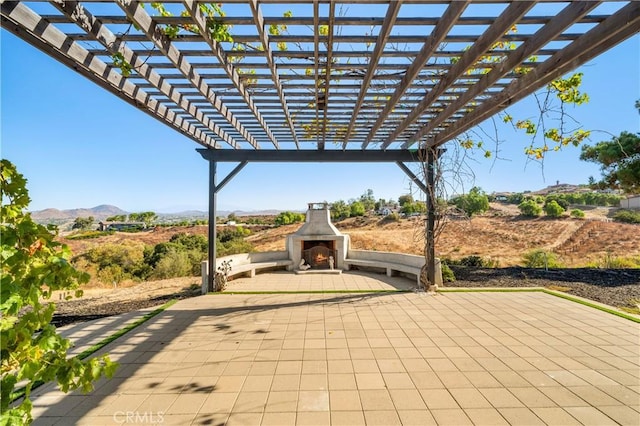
[(614, 287)]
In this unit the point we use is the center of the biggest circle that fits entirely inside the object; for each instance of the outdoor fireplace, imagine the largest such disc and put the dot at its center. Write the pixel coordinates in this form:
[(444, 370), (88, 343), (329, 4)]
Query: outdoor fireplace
[(317, 241)]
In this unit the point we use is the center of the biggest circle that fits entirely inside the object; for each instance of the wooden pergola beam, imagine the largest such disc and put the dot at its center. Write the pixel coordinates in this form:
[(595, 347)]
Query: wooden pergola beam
[(615, 29), (96, 29), (438, 34), (327, 73), (141, 18), (28, 25), (381, 41), (316, 56), (201, 22), (340, 20), (501, 25), (264, 39), (563, 20)]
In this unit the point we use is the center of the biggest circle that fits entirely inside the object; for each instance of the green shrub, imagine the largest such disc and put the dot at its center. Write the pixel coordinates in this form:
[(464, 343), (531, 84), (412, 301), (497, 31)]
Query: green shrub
[(391, 217), (476, 201), (541, 259), (447, 274), (173, 264), (530, 208), (627, 216), (577, 213), (287, 218), (475, 262), (553, 209), (88, 235), (614, 262)]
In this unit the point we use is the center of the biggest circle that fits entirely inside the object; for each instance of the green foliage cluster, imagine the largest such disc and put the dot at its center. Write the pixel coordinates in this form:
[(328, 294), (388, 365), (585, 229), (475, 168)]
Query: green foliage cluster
[(33, 265), (619, 159), (627, 216), (88, 235), (474, 262), (413, 207), (577, 213), (475, 202), (179, 257), (565, 200), (530, 208), (541, 259), (287, 218), (447, 274), (553, 209), (83, 223)]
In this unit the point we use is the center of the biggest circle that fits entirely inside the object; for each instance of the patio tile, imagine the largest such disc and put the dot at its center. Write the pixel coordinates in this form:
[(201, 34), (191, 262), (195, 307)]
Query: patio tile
[(310, 418), (382, 418), (521, 416), (375, 400), (590, 416), (451, 417), (347, 418), (282, 401), (555, 416), (309, 382), (369, 381), (313, 401), (345, 400), (485, 416), (438, 399), (407, 399), (416, 418), (278, 419)]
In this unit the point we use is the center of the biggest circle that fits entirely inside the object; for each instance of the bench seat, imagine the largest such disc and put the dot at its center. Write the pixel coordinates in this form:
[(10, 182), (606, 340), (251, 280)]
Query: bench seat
[(251, 268), (389, 267)]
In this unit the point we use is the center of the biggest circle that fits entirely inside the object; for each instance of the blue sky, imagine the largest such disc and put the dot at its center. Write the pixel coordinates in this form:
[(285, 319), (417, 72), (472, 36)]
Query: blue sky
[(80, 146)]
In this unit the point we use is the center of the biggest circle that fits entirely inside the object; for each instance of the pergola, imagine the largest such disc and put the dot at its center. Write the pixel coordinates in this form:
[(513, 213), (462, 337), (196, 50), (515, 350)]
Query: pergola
[(321, 80)]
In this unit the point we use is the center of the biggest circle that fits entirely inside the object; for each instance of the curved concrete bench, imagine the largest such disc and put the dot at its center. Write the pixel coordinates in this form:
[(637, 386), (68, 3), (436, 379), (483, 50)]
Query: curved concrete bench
[(249, 263), (391, 263)]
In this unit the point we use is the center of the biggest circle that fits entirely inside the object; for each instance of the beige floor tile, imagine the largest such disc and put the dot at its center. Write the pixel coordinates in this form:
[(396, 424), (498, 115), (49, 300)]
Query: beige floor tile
[(382, 418), (407, 399), (365, 366), (250, 402), (344, 400), (590, 416), (438, 399), (416, 418), (263, 368), (485, 416), (219, 402), (230, 383), (244, 419), (313, 401), (426, 380), (451, 417), (285, 382), (210, 419), (315, 367), (278, 419), (469, 398), (376, 400), (313, 418), (520, 416), (391, 366), (340, 366), (187, 403), (532, 397), (311, 382), (178, 419), (347, 418), (563, 397), (594, 396), (343, 381), (555, 416), (370, 381), (500, 398), (282, 401), (623, 415), (398, 381)]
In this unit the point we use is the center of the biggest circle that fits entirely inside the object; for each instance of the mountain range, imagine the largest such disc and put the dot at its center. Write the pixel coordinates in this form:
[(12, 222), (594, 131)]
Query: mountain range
[(104, 211)]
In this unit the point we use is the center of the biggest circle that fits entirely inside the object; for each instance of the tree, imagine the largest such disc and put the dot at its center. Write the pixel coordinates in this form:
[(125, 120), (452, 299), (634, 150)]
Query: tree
[(117, 218), (340, 210), (476, 201), (83, 223), (619, 159), (530, 208), (356, 209), (33, 266), (553, 209), (403, 199), (367, 200)]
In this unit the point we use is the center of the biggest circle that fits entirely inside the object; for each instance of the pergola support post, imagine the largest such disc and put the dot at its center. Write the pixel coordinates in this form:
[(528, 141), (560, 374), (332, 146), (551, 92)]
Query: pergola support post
[(212, 231), (430, 249)]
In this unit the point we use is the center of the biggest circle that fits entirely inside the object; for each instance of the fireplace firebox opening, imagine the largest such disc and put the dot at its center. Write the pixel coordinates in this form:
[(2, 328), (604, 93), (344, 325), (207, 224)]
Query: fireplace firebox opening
[(316, 253)]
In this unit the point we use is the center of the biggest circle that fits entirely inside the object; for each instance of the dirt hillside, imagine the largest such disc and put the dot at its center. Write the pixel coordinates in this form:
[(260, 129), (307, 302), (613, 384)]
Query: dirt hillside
[(500, 234)]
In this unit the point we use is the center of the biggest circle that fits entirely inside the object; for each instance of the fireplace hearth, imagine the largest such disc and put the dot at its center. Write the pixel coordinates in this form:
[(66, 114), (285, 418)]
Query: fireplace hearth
[(317, 241)]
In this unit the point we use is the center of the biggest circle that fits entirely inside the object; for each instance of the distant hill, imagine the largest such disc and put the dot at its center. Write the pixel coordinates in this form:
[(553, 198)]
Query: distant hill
[(100, 212)]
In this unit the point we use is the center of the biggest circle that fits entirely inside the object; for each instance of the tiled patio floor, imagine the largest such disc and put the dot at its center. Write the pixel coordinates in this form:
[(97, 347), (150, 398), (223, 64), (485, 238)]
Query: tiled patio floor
[(376, 359)]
